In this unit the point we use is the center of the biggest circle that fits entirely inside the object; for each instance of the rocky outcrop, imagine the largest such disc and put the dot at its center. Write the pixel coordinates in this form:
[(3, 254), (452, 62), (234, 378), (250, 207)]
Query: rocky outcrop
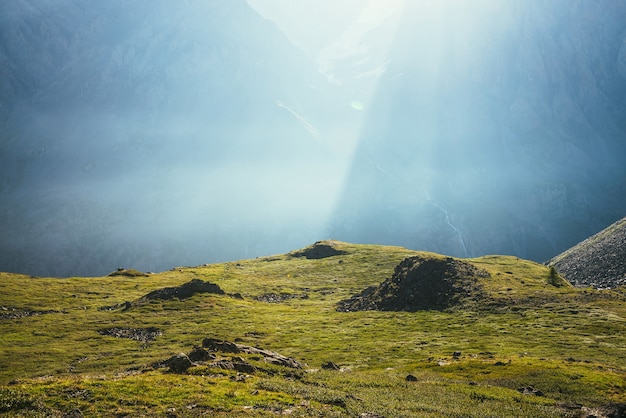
[(178, 363), (183, 291), (200, 354), (612, 410), (269, 356), (599, 261), (422, 283), (209, 355), (128, 273), (321, 249)]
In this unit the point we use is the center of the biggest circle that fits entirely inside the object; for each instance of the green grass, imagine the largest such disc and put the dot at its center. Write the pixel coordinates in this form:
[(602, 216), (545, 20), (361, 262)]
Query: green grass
[(532, 330)]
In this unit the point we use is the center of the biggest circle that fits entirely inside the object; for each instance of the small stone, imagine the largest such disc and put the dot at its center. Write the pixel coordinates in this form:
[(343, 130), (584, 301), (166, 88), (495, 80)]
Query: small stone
[(179, 363), (329, 365), (200, 354)]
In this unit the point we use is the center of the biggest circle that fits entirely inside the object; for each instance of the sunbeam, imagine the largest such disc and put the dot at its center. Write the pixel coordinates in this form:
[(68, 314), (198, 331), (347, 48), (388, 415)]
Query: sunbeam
[(152, 134)]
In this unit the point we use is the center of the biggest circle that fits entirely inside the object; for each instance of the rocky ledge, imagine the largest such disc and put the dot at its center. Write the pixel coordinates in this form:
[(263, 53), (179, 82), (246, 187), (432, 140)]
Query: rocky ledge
[(422, 283)]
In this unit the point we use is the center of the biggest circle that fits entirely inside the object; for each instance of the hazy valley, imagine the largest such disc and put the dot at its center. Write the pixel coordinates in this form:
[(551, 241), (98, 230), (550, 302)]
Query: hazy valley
[(153, 134)]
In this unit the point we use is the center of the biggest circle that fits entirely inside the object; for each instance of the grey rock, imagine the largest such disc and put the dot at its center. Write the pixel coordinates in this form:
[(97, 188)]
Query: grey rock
[(598, 261), (178, 363)]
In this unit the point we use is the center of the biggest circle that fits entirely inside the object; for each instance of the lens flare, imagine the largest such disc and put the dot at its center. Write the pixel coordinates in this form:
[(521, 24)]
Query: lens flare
[(357, 105)]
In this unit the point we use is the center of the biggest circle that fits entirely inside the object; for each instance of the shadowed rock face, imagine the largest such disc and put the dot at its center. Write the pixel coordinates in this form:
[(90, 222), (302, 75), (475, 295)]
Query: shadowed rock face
[(420, 283), (598, 261)]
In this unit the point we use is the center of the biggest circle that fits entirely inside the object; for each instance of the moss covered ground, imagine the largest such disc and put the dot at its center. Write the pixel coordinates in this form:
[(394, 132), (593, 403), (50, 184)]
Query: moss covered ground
[(534, 347)]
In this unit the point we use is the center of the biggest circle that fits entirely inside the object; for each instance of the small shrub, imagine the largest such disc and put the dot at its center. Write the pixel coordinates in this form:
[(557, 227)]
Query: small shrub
[(555, 279)]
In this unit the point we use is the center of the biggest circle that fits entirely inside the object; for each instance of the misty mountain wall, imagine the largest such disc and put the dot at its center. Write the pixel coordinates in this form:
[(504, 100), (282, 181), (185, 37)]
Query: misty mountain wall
[(509, 137), (151, 134), (148, 134)]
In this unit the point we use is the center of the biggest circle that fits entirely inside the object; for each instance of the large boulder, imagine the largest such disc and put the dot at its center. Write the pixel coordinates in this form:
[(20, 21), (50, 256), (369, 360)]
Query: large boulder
[(178, 363), (422, 283)]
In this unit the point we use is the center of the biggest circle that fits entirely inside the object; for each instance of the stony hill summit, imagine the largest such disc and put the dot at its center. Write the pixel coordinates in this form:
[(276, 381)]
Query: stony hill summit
[(422, 283), (598, 261)]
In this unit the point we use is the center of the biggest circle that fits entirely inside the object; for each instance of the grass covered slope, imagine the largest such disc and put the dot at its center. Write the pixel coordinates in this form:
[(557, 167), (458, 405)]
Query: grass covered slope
[(530, 345)]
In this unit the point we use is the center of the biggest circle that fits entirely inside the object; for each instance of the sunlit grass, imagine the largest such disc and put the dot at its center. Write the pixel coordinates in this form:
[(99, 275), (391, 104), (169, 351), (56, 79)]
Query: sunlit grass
[(568, 343)]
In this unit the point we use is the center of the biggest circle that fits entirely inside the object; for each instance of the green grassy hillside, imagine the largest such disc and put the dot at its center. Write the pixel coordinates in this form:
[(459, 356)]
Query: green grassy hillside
[(534, 346)]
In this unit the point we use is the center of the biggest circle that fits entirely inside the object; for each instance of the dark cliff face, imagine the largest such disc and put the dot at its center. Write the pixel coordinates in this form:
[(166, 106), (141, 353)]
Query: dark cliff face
[(152, 134)]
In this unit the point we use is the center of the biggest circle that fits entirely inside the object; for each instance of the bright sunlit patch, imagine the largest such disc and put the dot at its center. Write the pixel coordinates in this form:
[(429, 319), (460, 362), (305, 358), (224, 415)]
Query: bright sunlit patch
[(357, 105)]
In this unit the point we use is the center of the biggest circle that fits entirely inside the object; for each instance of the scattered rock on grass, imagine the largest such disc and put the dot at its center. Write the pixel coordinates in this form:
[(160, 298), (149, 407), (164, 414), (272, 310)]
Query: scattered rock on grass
[(143, 335), (529, 390), (178, 363), (240, 366), (219, 345), (269, 356), (329, 365), (16, 313), (277, 298), (606, 411), (74, 413), (124, 306), (200, 354)]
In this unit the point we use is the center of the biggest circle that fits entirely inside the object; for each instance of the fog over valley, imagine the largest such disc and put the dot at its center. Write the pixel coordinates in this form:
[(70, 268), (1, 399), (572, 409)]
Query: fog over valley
[(154, 134)]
